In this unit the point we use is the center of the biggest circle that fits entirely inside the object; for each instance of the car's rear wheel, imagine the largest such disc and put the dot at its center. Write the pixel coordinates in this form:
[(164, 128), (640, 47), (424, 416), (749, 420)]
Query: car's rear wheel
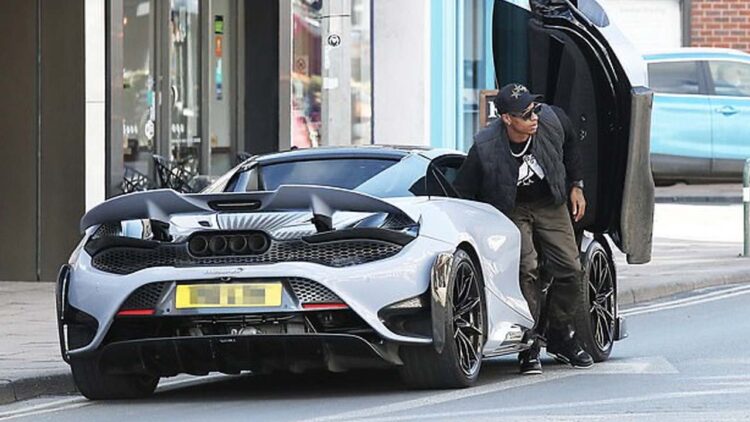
[(96, 385), (459, 362), (595, 328)]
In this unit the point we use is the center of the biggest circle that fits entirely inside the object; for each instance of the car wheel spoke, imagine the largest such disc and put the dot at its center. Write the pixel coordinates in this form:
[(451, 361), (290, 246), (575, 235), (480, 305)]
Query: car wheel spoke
[(463, 354), (467, 307), (465, 325), (592, 288), (470, 354), (600, 326), (466, 284)]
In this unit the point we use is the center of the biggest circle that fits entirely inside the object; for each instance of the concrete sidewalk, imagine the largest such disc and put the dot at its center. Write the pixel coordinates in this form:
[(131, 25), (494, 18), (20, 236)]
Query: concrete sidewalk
[(719, 193), (694, 247)]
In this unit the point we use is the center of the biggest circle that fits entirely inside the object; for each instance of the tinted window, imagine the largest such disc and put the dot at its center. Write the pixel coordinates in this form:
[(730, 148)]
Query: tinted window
[(731, 78), (378, 177), (674, 77), (340, 173), (449, 167)]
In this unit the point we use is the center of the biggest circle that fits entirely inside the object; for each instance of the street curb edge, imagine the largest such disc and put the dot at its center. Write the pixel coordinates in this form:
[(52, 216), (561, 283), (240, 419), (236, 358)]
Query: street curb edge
[(29, 387)]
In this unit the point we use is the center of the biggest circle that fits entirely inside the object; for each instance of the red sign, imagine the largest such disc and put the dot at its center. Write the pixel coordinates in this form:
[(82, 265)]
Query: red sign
[(218, 45)]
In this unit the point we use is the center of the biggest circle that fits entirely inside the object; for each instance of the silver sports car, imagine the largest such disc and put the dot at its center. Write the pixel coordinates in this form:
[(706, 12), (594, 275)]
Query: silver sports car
[(362, 257)]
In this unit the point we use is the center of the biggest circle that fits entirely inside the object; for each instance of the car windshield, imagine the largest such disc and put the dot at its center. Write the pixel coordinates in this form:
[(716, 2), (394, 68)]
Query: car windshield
[(381, 177)]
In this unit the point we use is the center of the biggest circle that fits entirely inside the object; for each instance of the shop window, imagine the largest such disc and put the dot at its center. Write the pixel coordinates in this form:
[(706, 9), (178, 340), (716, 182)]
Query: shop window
[(474, 69), (308, 81)]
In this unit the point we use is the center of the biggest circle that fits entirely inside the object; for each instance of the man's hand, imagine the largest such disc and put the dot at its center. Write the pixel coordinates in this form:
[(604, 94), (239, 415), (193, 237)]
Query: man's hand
[(577, 203)]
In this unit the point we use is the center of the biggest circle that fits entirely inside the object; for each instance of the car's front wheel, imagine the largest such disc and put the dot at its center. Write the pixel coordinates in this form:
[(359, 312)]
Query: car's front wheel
[(94, 384), (595, 325), (459, 362)]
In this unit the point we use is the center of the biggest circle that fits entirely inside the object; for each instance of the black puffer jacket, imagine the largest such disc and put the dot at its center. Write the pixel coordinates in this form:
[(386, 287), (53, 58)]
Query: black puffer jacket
[(490, 172)]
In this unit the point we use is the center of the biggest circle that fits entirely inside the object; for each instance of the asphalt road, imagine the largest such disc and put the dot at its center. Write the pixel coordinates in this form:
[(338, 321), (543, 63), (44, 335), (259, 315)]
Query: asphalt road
[(686, 360)]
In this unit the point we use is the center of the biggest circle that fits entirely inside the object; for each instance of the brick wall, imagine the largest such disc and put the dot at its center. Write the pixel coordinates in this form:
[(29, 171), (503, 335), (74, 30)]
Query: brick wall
[(721, 23)]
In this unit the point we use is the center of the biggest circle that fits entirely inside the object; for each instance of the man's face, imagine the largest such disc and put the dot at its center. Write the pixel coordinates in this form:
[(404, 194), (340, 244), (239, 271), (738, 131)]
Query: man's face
[(525, 122)]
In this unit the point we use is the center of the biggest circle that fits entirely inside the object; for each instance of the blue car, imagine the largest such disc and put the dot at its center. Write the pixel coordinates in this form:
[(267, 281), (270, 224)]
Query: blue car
[(700, 126)]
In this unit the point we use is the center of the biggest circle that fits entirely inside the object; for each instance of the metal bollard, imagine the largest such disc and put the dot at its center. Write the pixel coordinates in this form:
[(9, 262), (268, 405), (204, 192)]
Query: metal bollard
[(746, 206)]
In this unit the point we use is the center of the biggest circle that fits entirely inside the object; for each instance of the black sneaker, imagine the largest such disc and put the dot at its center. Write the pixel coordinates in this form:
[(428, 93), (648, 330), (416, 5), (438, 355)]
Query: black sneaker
[(530, 363), (570, 353)]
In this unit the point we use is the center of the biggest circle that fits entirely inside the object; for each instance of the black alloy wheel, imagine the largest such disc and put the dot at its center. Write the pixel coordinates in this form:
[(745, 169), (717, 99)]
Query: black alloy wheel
[(468, 318), (596, 327), (459, 362)]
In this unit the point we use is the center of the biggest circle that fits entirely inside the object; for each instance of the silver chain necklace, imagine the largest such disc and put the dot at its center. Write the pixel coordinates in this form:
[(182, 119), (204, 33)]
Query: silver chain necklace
[(526, 148)]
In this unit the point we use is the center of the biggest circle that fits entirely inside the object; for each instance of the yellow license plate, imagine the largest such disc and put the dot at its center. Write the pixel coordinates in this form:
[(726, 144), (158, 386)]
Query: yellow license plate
[(239, 295)]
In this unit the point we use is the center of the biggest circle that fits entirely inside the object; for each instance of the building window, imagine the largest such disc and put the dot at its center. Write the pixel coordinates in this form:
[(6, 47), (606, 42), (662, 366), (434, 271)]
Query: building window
[(476, 67), (361, 73), (310, 56)]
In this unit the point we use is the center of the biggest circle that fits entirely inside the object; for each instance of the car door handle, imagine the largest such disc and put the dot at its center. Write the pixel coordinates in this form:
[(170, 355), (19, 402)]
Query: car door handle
[(727, 110)]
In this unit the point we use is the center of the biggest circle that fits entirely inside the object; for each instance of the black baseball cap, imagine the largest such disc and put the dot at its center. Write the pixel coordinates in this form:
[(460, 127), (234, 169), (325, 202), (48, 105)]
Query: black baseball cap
[(515, 98)]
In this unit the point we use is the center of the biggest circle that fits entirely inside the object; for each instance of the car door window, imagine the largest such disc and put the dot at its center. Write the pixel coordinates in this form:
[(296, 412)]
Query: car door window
[(448, 169), (730, 78), (675, 77)]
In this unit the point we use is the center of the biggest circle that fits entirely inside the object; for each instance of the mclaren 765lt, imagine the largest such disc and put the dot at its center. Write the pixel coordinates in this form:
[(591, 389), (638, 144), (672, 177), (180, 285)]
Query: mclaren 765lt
[(357, 257)]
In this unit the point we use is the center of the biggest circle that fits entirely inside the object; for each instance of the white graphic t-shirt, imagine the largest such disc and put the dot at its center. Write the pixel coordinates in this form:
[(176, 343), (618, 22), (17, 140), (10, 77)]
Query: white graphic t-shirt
[(532, 185)]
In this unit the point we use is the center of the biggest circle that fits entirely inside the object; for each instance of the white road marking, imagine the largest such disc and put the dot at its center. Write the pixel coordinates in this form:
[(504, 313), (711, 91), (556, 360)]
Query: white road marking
[(655, 365), (53, 404), (42, 412), (689, 301), (724, 378), (494, 413), (446, 397), (76, 402), (697, 295), (659, 416)]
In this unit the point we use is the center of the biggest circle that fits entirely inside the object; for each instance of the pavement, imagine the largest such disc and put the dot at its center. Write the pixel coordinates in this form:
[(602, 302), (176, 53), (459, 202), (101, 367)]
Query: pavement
[(697, 244), (719, 193)]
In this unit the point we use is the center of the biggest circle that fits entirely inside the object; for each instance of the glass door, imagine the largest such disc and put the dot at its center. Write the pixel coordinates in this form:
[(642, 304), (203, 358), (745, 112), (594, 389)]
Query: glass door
[(222, 85), (156, 90), (184, 84), (173, 90), (136, 113)]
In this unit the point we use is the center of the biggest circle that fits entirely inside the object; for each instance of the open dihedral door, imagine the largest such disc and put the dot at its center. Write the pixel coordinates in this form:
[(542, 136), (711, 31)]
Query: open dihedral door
[(558, 51)]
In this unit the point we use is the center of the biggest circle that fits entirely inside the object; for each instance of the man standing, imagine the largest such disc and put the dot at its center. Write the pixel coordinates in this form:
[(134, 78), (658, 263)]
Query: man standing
[(528, 166)]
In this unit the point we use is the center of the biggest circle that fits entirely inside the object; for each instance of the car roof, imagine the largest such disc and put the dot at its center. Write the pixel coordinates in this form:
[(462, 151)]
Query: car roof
[(392, 152), (693, 53)]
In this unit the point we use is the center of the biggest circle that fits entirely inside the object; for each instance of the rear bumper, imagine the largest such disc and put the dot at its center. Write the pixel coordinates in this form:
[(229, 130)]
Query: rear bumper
[(231, 354), (366, 289)]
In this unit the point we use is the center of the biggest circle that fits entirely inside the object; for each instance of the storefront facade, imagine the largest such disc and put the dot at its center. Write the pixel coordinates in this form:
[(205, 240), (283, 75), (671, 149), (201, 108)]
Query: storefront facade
[(195, 81), (202, 82), (199, 82)]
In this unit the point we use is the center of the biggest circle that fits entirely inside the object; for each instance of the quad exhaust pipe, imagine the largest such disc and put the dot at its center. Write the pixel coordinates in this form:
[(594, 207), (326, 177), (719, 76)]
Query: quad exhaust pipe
[(253, 243)]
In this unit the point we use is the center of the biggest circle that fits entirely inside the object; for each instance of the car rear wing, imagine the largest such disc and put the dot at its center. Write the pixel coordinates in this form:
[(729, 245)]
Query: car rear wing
[(161, 204)]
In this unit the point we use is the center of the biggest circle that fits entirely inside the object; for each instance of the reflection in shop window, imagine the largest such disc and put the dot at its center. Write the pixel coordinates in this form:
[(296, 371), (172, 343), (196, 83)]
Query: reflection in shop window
[(138, 95), (306, 73), (185, 79)]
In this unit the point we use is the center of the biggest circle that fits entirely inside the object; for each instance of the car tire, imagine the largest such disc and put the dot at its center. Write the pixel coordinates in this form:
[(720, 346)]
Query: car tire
[(458, 365), (96, 385), (597, 316)]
